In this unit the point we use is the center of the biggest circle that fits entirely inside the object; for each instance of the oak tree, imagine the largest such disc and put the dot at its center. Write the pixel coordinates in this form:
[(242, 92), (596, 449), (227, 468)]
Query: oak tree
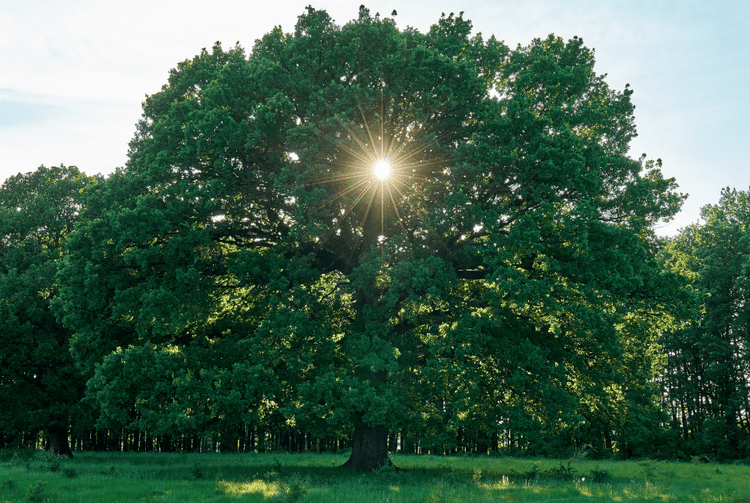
[(365, 229)]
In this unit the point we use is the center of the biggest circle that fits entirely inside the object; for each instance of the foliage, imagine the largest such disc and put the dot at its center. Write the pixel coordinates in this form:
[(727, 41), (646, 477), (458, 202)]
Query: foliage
[(51, 461), (600, 476), (35, 493), (246, 267), (39, 386), (293, 489), (706, 382)]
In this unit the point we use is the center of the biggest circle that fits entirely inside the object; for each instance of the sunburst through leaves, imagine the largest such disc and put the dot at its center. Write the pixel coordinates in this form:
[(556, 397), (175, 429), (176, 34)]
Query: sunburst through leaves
[(379, 158)]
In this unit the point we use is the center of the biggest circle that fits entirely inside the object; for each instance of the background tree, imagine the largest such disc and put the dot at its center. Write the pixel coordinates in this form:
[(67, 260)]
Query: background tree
[(39, 385), (706, 382), (251, 263)]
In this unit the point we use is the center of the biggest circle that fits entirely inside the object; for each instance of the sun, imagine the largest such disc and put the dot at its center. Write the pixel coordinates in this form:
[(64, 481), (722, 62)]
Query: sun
[(382, 169), (376, 162)]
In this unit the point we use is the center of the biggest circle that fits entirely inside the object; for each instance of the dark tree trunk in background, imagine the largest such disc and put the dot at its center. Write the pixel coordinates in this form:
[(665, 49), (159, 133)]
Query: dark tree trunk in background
[(100, 440), (369, 449), (58, 441), (482, 444)]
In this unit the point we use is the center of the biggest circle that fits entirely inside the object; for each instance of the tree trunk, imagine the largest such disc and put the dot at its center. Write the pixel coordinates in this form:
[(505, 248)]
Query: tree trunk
[(58, 441), (369, 449)]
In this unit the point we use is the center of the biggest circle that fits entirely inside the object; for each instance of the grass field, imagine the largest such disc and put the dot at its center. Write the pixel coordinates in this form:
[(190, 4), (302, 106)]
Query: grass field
[(34, 476)]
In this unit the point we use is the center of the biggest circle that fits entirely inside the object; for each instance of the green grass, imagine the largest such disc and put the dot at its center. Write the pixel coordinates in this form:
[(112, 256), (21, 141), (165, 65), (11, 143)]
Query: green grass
[(32, 476)]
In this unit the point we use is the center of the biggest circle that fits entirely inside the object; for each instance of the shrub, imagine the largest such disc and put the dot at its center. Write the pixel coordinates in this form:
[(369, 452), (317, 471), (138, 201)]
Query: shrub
[(50, 460), (35, 493), (600, 476), (293, 489), (561, 473)]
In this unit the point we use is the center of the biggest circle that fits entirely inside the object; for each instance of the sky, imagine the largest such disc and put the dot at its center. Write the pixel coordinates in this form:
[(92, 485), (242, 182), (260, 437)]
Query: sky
[(73, 73)]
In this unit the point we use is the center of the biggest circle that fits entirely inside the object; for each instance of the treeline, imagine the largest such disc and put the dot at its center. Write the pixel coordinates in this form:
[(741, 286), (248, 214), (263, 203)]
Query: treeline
[(705, 384), (243, 439), (248, 282)]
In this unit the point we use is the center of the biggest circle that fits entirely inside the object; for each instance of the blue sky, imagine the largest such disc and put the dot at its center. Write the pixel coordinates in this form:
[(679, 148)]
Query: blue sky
[(73, 73)]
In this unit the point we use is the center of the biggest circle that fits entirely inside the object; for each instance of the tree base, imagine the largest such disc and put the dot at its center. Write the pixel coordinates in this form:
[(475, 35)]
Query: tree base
[(369, 449), (58, 441)]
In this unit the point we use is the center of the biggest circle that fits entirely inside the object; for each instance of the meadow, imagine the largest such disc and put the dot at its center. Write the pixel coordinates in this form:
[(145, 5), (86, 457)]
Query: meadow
[(36, 476)]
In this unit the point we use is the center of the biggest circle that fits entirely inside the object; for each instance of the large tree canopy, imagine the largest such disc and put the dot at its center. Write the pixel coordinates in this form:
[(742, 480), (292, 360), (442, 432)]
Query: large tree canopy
[(249, 265)]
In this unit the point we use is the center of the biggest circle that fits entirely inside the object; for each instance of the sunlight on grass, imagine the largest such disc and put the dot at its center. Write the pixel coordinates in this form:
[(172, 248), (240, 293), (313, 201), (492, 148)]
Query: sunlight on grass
[(586, 491), (503, 483), (267, 489), (647, 491)]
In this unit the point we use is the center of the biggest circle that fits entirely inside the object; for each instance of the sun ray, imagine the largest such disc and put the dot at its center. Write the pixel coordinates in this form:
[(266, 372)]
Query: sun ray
[(344, 216), (337, 178), (350, 151), (395, 156), (395, 209), (344, 192), (369, 206), (382, 124), (395, 187), (367, 126)]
